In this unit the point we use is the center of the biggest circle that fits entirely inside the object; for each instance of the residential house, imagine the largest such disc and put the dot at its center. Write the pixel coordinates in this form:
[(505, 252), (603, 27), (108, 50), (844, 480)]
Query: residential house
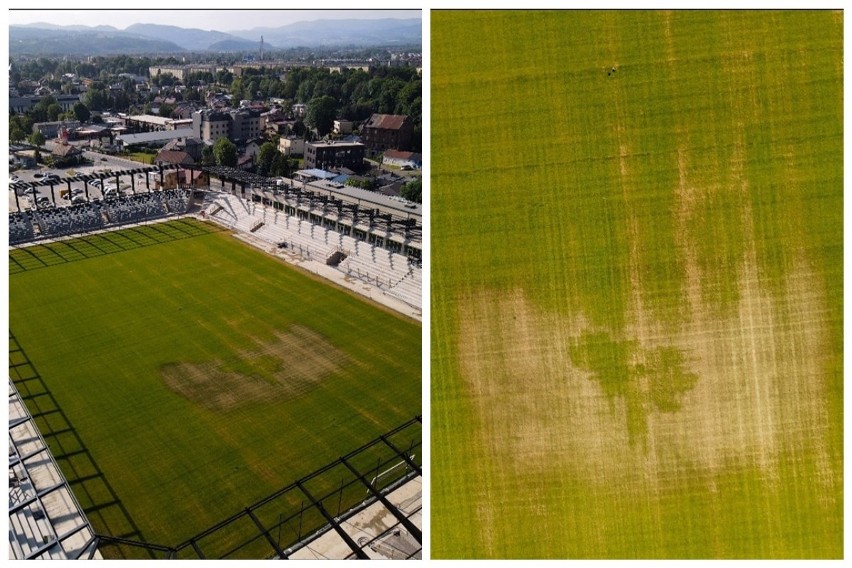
[(66, 155), (291, 146), (387, 131), (174, 157)]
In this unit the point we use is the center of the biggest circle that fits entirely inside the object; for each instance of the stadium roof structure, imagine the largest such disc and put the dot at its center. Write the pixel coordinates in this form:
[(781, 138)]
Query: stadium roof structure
[(373, 512), (45, 519)]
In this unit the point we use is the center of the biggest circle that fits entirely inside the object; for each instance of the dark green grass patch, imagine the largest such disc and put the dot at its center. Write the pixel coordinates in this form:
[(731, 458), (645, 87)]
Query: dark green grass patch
[(100, 329)]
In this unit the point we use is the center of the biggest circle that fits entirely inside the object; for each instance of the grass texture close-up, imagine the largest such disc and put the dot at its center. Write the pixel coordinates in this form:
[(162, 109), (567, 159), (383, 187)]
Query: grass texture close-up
[(193, 375), (637, 284)]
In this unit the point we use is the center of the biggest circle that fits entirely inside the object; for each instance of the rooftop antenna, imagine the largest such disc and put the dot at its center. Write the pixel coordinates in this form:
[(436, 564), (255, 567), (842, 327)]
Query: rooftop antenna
[(261, 48)]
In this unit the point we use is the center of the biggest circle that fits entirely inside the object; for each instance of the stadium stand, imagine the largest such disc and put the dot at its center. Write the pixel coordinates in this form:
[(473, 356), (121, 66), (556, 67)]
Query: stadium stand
[(20, 228), (86, 217), (176, 200), (357, 239), (135, 209), (393, 273)]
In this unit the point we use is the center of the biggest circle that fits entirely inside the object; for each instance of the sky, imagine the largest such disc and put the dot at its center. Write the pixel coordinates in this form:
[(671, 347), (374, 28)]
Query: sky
[(218, 20)]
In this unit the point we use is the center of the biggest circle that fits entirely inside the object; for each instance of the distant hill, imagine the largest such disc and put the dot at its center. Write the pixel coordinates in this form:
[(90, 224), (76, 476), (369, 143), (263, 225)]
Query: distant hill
[(51, 39), (319, 33), (78, 27), (191, 39), (235, 44), (80, 42)]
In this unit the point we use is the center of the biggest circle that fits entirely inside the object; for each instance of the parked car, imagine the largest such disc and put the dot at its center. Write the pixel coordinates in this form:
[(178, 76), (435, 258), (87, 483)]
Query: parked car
[(95, 182), (78, 199)]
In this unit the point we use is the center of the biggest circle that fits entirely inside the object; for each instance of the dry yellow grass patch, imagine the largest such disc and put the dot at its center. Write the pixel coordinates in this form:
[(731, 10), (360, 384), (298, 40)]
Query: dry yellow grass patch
[(759, 388), (296, 360)]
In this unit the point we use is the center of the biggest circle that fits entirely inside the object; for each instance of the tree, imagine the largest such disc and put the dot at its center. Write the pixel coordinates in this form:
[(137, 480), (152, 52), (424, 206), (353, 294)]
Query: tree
[(96, 99), (166, 110), (282, 166), (412, 190), (298, 128), (207, 157), (37, 138), (15, 133), (265, 158), (225, 152), (53, 112), (321, 114), (238, 91), (81, 112)]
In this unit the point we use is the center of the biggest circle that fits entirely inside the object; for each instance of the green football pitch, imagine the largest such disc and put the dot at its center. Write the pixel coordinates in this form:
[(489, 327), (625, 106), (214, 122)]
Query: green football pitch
[(637, 284), (180, 375)]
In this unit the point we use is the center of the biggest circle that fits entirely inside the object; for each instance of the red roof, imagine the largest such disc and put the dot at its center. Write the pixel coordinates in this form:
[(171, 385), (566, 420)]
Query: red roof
[(65, 150), (386, 121), (174, 157), (398, 155)]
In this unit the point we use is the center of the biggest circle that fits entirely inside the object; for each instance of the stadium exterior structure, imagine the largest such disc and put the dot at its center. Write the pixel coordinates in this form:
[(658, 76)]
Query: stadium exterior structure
[(379, 481)]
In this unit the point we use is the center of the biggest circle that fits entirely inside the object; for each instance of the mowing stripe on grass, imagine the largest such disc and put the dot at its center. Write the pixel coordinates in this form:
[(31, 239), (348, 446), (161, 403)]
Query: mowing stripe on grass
[(636, 284)]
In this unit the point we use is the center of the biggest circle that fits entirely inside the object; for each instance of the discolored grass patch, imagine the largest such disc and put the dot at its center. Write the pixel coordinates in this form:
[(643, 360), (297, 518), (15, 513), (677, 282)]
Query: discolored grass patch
[(637, 284), (285, 368)]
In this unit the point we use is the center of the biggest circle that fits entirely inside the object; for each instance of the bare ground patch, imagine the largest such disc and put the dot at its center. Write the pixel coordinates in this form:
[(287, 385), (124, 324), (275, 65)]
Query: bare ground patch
[(286, 367)]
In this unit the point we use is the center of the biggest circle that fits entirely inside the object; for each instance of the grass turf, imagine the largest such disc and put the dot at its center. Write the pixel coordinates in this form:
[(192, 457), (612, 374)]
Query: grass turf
[(154, 459), (637, 284)]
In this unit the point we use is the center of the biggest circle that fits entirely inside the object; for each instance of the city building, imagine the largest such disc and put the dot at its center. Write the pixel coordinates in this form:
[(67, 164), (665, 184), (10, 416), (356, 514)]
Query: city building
[(236, 124), (326, 155)]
